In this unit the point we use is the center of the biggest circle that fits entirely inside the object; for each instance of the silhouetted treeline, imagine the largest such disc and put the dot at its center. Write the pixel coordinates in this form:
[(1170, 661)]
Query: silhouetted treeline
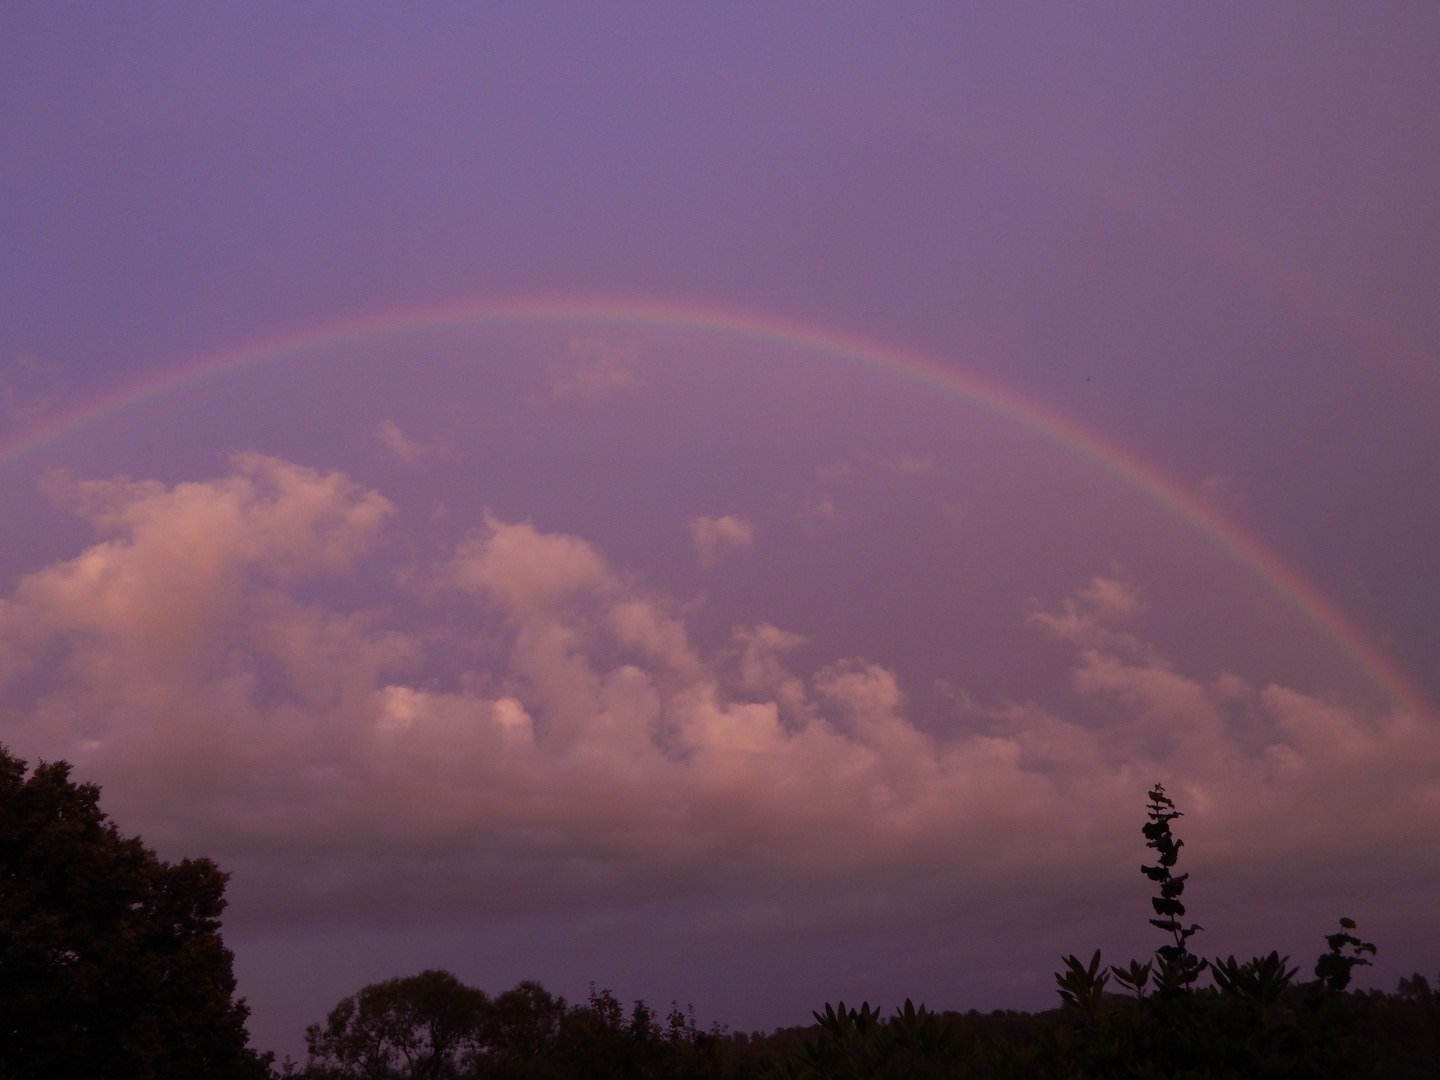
[(1253, 1021), (112, 967), (433, 1026)]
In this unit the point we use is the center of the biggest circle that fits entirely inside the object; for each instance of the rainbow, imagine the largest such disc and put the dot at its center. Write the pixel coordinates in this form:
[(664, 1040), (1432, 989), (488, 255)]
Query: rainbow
[(1056, 428)]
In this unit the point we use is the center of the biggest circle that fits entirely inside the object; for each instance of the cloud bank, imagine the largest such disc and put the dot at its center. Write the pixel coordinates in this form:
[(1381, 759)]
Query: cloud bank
[(558, 739)]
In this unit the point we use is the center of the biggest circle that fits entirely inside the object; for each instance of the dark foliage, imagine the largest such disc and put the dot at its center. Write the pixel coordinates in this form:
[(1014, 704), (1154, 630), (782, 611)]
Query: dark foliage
[(1253, 1021), (1334, 967), (111, 961), (1262, 1025), (1257, 1023), (423, 1026), (433, 1026), (1178, 967), (1304, 1033)]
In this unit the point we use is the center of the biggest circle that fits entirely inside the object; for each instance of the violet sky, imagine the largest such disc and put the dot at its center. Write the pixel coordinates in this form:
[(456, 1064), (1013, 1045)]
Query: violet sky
[(695, 660)]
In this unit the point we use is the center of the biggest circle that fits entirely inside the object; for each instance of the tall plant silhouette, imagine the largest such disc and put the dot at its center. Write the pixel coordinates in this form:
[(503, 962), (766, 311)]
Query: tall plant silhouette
[(1179, 967)]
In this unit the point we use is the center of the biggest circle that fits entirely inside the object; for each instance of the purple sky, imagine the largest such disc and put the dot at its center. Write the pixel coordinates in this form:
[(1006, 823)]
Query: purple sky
[(702, 664)]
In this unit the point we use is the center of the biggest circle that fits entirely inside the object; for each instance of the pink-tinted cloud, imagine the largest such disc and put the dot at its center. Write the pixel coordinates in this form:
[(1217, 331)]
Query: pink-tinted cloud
[(904, 466), (716, 538), (398, 443), (567, 741), (594, 366), (1321, 774), (818, 512)]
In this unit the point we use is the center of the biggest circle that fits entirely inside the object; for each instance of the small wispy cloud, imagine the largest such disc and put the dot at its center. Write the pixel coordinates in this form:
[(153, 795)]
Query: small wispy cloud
[(818, 511), (718, 537), (595, 366), (1215, 485), (870, 467), (913, 464), (954, 513), (1220, 491), (399, 444)]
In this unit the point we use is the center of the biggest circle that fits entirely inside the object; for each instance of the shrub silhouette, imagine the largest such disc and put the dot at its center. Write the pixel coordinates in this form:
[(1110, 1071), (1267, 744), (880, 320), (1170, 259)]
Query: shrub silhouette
[(1334, 967)]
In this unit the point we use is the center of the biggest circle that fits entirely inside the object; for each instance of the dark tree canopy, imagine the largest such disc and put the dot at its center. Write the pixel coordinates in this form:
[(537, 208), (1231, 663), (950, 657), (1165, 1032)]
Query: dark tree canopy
[(422, 1027), (111, 962), (432, 1026)]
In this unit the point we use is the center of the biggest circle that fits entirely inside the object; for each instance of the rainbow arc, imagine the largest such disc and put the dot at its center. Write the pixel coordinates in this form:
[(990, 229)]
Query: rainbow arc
[(1045, 422)]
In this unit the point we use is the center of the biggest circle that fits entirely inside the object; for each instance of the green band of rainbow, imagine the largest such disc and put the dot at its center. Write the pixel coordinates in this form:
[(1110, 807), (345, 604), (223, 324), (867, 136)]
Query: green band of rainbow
[(1049, 424)]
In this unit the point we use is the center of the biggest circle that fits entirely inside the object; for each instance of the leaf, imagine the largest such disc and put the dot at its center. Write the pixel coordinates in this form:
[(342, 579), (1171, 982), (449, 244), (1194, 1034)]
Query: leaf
[(1173, 887)]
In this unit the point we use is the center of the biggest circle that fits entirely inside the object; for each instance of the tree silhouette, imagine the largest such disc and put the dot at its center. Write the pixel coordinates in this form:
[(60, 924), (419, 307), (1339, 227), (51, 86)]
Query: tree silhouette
[(111, 961), (425, 1027)]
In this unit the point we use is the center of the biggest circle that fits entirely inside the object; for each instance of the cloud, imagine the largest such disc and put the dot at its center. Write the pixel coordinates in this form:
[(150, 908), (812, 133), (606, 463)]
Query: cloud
[(1321, 774), (1112, 598), (404, 448), (905, 465), (718, 537), (955, 514), (596, 366), (1220, 491), (821, 509), (565, 742), (818, 512), (1216, 486), (913, 465)]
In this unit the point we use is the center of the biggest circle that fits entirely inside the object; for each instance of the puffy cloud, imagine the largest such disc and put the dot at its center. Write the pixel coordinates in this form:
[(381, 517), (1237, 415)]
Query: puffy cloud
[(526, 570), (181, 561), (1324, 776), (567, 742), (717, 537)]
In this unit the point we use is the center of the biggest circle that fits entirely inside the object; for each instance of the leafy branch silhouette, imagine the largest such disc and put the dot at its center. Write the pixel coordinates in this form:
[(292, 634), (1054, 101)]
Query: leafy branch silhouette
[(1334, 967), (1179, 967)]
